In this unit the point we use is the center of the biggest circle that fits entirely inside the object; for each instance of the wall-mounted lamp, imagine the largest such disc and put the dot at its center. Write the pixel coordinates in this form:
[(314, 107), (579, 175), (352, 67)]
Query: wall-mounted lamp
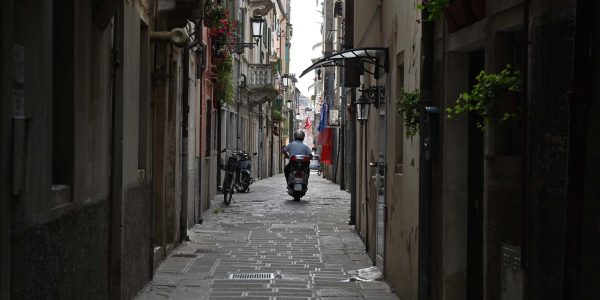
[(362, 109), (285, 78), (257, 24)]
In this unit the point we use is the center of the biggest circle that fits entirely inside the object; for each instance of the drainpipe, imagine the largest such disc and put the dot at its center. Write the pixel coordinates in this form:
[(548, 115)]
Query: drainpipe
[(185, 108), (116, 158), (525, 150), (199, 131), (428, 124)]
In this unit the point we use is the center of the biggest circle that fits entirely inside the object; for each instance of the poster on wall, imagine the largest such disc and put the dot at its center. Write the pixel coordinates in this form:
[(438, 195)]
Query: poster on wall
[(334, 118)]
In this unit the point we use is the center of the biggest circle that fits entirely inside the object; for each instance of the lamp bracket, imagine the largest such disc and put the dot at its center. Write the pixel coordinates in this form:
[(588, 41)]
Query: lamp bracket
[(375, 94), (239, 47)]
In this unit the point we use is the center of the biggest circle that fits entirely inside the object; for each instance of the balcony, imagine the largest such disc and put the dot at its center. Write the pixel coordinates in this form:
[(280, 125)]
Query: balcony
[(260, 7), (179, 11), (261, 82)]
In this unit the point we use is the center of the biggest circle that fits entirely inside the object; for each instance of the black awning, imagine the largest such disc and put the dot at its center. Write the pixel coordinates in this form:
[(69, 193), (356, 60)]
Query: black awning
[(341, 59)]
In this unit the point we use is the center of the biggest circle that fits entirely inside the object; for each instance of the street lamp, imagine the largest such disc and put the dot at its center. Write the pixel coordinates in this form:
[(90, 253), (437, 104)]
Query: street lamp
[(257, 24), (288, 104), (286, 79), (362, 109)]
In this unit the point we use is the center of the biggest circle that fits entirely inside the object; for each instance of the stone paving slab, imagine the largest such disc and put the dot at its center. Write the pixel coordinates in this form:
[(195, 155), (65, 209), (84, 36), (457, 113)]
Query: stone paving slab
[(306, 245)]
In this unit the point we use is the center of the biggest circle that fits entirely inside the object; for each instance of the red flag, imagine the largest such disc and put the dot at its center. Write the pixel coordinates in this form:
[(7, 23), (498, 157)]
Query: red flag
[(326, 139), (308, 124), (324, 136)]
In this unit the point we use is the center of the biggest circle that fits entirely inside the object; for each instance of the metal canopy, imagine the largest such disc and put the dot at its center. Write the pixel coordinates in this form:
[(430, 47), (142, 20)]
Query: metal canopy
[(366, 55)]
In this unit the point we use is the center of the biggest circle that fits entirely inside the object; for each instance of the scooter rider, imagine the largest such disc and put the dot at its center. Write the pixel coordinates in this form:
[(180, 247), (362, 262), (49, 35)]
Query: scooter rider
[(297, 147)]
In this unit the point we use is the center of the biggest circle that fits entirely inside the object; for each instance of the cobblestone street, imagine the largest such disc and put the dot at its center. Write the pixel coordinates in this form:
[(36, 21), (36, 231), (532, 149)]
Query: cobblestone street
[(295, 250)]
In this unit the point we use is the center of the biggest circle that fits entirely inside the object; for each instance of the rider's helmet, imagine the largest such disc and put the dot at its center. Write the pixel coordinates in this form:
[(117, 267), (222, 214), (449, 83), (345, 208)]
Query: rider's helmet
[(299, 135)]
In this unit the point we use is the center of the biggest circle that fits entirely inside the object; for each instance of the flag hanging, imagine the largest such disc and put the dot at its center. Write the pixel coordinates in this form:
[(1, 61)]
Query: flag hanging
[(308, 124)]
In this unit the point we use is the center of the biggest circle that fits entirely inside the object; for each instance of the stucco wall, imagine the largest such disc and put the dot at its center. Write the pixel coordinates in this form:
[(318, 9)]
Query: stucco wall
[(402, 34)]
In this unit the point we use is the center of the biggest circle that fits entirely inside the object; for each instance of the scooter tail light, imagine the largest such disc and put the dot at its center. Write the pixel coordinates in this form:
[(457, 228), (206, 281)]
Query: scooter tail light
[(306, 159), (293, 158), (299, 174)]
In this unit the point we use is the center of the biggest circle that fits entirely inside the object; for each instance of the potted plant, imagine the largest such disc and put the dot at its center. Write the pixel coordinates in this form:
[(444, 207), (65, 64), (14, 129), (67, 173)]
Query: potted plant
[(224, 81), (213, 14), (494, 97), (434, 8), (409, 107), (276, 115)]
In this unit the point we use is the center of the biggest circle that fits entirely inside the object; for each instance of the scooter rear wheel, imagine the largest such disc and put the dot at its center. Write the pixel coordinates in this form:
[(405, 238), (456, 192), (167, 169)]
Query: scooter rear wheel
[(242, 186), (228, 189)]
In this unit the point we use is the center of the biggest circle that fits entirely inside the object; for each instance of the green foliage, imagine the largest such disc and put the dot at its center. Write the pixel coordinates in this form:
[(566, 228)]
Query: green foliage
[(213, 14), (224, 81), (489, 97), (435, 8), (409, 107), (276, 115)]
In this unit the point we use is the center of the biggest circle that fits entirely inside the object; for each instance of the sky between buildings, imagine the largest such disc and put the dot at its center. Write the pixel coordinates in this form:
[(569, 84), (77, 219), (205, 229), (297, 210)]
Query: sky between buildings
[(306, 18)]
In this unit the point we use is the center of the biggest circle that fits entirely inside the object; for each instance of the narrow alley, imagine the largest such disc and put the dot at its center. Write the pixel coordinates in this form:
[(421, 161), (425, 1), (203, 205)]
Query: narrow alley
[(296, 250), (456, 142)]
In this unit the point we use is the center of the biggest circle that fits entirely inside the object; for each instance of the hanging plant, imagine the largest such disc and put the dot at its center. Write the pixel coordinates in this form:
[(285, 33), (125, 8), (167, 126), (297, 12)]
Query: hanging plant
[(213, 14), (276, 115), (494, 97), (435, 8), (408, 106), (225, 37), (224, 81)]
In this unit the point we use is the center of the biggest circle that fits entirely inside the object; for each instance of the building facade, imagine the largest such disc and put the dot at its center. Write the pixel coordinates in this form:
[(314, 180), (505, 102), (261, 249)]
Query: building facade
[(452, 207), (112, 126)]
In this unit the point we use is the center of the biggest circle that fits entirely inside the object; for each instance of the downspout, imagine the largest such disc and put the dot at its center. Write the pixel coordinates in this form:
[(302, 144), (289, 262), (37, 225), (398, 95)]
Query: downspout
[(116, 160), (238, 100), (152, 26), (343, 112), (185, 108), (427, 149), (525, 149), (271, 162), (199, 131)]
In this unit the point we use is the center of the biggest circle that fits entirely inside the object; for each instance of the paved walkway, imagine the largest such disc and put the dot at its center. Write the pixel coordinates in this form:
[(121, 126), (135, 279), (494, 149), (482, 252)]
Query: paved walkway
[(296, 250)]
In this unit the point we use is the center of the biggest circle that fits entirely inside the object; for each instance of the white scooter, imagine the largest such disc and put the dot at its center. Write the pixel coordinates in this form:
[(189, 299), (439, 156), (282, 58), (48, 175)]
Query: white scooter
[(298, 178)]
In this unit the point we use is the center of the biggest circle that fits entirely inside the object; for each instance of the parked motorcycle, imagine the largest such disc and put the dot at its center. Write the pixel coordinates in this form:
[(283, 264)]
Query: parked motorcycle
[(298, 178), (244, 178)]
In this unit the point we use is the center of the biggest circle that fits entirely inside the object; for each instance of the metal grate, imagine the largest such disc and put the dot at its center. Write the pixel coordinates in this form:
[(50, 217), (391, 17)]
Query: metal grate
[(205, 251), (295, 225), (187, 255), (251, 276)]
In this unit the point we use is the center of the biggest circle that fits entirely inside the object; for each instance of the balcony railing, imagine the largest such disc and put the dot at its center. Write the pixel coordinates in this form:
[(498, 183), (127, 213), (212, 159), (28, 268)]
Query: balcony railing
[(261, 77)]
